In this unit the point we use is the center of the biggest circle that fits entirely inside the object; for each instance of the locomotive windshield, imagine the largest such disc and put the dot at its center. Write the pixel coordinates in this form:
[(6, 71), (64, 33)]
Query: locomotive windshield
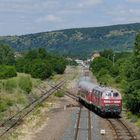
[(111, 94), (108, 94), (115, 94)]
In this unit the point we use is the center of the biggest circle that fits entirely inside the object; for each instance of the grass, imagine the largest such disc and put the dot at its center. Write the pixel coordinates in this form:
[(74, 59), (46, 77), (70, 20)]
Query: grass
[(134, 118), (59, 94), (14, 93)]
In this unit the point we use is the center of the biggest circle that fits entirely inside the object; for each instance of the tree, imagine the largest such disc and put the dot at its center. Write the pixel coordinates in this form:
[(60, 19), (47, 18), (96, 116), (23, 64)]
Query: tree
[(41, 69), (132, 96), (58, 64), (6, 55), (31, 55), (40, 64), (107, 54), (42, 53), (99, 63), (132, 92)]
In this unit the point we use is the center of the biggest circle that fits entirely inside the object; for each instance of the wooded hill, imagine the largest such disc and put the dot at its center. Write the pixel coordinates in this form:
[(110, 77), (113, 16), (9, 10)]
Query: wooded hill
[(80, 42)]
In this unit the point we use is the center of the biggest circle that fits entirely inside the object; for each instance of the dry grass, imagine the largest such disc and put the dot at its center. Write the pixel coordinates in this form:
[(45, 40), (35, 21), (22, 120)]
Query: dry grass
[(13, 96)]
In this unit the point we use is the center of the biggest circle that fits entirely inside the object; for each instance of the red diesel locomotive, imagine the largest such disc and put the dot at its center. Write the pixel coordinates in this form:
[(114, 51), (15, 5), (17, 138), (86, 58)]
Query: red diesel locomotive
[(103, 99)]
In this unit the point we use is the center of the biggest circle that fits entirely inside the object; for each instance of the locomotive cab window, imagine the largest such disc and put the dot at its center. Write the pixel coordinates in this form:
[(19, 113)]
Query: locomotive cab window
[(115, 94), (108, 94)]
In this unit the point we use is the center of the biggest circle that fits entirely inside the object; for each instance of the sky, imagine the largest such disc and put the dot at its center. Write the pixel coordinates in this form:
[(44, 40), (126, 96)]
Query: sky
[(18, 17)]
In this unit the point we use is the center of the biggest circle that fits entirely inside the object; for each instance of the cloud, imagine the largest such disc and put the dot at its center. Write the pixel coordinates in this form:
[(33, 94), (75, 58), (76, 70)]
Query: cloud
[(40, 15), (124, 11), (65, 10), (124, 14), (28, 5), (133, 1), (89, 3), (49, 18)]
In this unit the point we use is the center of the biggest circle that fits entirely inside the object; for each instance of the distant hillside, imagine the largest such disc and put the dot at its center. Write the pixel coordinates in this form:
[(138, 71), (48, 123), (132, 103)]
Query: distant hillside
[(78, 42)]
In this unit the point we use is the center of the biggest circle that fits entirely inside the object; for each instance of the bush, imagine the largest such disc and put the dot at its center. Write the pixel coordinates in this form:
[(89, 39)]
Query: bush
[(5, 103), (23, 65), (25, 83), (7, 71), (99, 63), (59, 94), (6, 55), (40, 64), (114, 71), (3, 106), (10, 84), (41, 70), (102, 72), (58, 64), (59, 68), (105, 79), (118, 79)]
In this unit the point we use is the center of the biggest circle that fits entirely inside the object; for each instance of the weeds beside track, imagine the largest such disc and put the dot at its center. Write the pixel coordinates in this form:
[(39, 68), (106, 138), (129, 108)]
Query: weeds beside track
[(16, 119)]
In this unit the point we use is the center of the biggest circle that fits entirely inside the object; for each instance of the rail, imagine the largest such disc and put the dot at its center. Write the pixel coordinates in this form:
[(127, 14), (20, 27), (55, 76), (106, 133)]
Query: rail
[(77, 124), (89, 126), (14, 120), (69, 94), (122, 131)]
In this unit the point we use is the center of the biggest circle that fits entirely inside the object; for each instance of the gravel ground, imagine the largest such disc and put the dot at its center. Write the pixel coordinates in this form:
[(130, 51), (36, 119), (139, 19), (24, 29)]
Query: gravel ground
[(98, 123), (59, 120)]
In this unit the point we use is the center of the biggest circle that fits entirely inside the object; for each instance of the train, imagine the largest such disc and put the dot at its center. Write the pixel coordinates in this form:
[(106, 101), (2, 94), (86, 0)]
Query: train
[(104, 100)]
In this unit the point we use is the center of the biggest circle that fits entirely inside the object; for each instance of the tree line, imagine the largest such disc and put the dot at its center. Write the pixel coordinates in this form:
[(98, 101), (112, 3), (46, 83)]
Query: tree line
[(121, 69), (38, 62)]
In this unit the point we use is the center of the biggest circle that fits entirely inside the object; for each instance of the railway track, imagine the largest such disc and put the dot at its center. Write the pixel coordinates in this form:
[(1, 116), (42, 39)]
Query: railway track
[(77, 124), (121, 130), (81, 129), (89, 126), (16, 119), (67, 93)]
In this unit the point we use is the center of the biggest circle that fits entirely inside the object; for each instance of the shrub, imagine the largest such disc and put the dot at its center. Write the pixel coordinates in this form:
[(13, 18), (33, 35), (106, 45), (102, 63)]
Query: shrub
[(118, 79), (7, 71), (41, 70), (23, 65), (114, 71), (3, 106), (105, 79), (102, 72), (59, 68), (59, 94), (6, 55), (25, 83), (99, 63), (138, 122), (134, 118), (40, 64), (10, 84)]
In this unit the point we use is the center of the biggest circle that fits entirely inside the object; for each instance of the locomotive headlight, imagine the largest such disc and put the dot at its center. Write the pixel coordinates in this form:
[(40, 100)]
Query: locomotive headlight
[(117, 102), (107, 101)]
